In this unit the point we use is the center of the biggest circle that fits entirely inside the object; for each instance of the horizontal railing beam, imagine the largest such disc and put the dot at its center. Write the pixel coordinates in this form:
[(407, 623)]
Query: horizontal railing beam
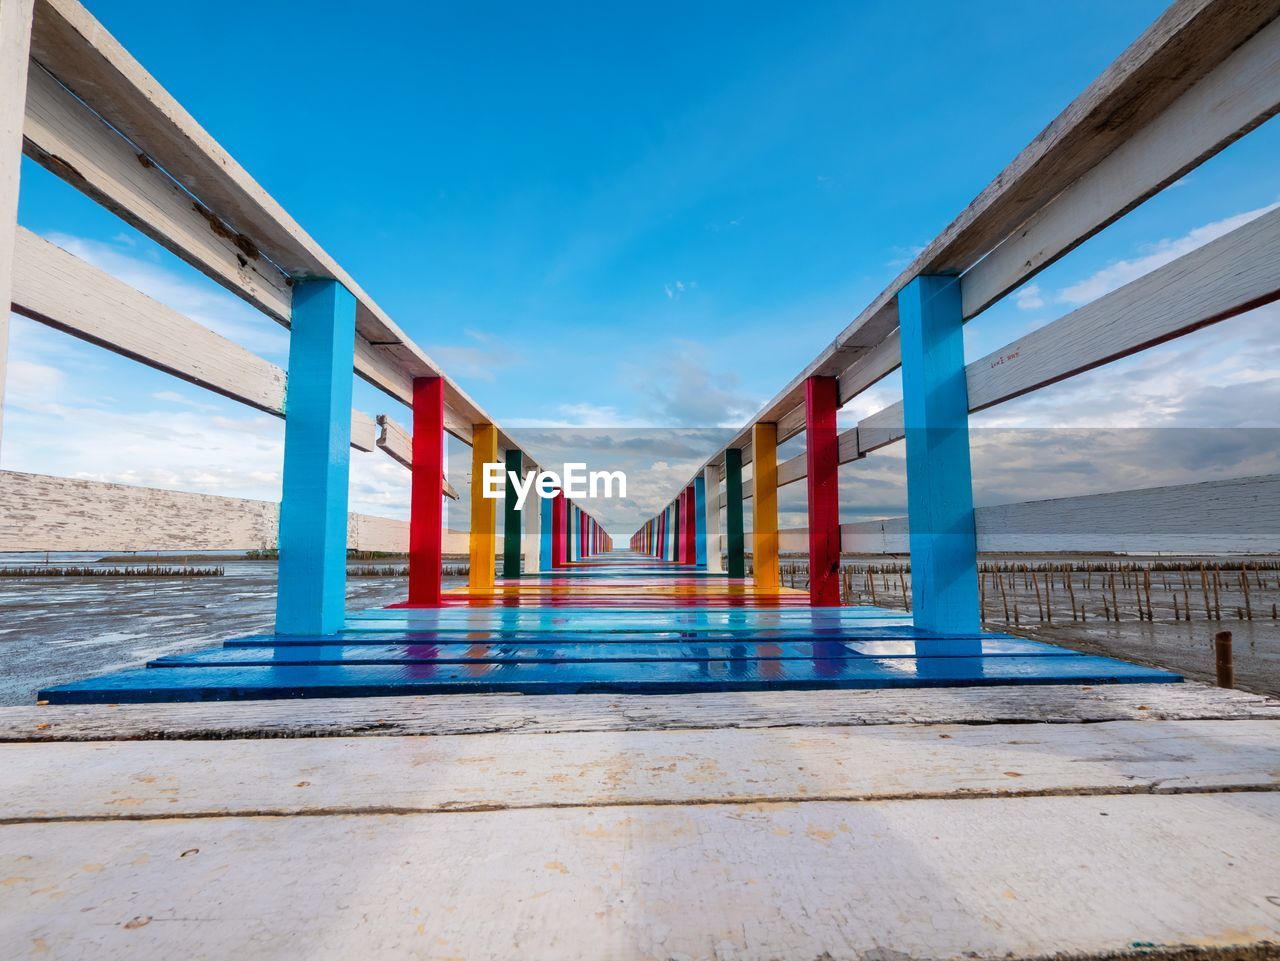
[(1204, 74), (397, 442), (1237, 272), (58, 289), (103, 123)]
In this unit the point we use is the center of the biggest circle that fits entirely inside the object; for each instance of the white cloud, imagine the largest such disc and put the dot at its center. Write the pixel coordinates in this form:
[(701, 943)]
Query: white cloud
[(479, 360), (676, 289), (1030, 298), (28, 381), (1121, 272), (579, 415)]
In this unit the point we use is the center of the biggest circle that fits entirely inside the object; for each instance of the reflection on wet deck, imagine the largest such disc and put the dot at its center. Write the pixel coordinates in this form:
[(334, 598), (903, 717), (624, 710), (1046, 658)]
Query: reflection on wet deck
[(609, 626)]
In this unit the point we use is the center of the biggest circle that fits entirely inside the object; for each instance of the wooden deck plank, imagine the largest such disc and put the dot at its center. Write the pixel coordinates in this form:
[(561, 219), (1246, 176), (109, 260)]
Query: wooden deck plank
[(136, 779), (481, 713), (1078, 877), (293, 681)]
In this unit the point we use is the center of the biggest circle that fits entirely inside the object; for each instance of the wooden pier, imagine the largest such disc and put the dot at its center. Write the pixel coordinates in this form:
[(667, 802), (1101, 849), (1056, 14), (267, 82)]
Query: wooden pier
[(716, 765)]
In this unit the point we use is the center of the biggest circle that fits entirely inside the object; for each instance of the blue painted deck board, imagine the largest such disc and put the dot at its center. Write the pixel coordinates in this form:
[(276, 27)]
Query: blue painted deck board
[(544, 637), (568, 638), (585, 651), (600, 647), (242, 683)]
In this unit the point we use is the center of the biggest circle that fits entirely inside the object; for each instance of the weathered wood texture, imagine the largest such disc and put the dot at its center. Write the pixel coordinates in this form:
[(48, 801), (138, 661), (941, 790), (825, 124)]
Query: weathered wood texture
[(60, 290), (1078, 877), (514, 714), (56, 288), (15, 38), (105, 125), (136, 779), (42, 513), (1239, 94), (1204, 74), (1240, 514), (398, 443), (67, 137)]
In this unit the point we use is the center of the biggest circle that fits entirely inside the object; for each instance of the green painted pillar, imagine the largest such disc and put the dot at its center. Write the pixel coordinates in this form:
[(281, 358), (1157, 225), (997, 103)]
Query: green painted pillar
[(511, 518), (737, 554)]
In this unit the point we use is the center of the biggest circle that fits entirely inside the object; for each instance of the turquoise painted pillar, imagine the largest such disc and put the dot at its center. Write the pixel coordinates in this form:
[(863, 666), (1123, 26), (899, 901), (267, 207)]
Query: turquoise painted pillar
[(935, 403), (699, 512), (311, 594)]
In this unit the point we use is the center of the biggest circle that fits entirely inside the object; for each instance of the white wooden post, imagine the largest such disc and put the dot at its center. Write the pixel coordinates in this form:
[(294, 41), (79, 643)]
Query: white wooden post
[(15, 48), (532, 517), (711, 476)]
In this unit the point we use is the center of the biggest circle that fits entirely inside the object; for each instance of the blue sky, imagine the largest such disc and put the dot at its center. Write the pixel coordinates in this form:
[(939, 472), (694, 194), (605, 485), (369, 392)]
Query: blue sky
[(641, 216)]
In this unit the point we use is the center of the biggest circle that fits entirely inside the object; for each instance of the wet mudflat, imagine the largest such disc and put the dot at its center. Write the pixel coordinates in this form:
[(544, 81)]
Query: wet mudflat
[(59, 629), (1176, 646), (1158, 610)]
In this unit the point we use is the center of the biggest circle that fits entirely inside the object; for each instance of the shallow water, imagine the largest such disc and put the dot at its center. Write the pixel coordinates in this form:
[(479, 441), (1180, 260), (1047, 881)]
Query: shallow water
[(59, 629)]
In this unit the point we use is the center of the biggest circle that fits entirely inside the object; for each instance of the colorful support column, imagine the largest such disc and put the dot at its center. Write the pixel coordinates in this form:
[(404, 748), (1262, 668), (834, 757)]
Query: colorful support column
[(935, 405), (677, 532), (311, 595), (511, 516), (700, 513), (711, 532), (531, 522), (764, 505), (822, 460), (735, 553), (546, 505), (689, 530), (426, 498), (484, 510), (559, 553)]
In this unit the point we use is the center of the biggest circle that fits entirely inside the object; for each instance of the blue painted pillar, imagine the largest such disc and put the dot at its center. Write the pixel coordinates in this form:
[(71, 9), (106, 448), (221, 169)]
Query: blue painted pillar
[(699, 515), (935, 403), (311, 595)]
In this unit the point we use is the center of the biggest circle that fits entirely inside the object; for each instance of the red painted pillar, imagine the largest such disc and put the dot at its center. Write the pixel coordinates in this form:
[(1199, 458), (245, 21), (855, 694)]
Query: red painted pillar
[(688, 544), (426, 498), (557, 530), (822, 458)]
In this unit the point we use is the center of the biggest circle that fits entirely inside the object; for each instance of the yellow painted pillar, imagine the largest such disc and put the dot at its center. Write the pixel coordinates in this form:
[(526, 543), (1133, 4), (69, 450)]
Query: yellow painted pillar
[(484, 510), (764, 505)]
